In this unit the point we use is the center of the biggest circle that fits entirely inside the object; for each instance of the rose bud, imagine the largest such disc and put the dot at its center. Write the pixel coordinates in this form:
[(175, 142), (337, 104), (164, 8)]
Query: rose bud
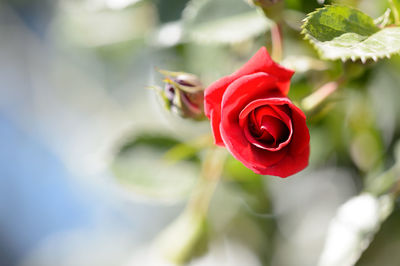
[(254, 119), (183, 94)]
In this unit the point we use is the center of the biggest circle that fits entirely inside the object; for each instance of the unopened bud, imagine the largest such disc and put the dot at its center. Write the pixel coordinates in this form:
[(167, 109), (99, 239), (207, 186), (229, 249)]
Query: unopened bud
[(183, 94)]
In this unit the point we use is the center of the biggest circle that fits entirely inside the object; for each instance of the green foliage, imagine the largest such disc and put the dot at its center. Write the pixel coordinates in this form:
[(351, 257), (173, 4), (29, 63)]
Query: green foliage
[(141, 167), (395, 7), (170, 11), (237, 171), (333, 21), (341, 32), (383, 183), (353, 129), (223, 21), (158, 142)]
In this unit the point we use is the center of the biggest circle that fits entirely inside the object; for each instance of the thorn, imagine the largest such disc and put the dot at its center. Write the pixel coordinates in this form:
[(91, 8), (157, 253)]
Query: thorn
[(374, 58), (343, 59), (353, 58), (363, 59)]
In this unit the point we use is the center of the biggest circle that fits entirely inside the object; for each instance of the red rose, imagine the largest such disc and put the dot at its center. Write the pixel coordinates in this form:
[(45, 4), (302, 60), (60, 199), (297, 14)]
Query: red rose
[(253, 118)]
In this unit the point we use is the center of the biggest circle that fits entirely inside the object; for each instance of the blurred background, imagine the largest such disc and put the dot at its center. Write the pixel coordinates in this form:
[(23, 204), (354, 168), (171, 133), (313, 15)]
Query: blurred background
[(83, 180)]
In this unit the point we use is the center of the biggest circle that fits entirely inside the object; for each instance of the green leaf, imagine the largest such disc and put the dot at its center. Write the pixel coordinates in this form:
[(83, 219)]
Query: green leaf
[(154, 141), (333, 21), (222, 21), (188, 150), (340, 32), (352, 46), (141, 168)]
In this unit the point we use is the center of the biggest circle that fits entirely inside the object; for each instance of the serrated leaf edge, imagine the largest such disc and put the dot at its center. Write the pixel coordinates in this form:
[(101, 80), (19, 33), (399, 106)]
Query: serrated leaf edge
[(313, 40)]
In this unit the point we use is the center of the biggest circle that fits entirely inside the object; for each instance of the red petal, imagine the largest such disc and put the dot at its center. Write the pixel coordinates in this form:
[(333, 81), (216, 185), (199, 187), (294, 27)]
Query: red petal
[(212, 105), (235, 99), (268, 107), (274, 127), (288, 166), (260, 62), (301, 137), (283, 162), (213, 94), (215, 122), (298, 153)]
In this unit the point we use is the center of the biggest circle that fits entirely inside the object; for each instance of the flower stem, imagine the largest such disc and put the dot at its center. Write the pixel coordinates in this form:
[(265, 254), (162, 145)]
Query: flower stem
[(395, 11), (178, 241), (209, 178), (277, 44), (313, 100)]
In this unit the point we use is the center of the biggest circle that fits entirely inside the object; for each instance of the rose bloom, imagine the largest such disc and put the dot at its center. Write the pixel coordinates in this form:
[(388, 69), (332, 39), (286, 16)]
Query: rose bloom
[(254, 119)]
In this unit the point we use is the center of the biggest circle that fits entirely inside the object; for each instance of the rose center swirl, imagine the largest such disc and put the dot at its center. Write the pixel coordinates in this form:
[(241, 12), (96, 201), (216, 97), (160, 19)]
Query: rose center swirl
[(267, 127)]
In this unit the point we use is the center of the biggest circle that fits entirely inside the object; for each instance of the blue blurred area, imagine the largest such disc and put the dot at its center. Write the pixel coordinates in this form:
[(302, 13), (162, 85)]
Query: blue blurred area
[(36, 14), (36, 197), (47, 214)]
